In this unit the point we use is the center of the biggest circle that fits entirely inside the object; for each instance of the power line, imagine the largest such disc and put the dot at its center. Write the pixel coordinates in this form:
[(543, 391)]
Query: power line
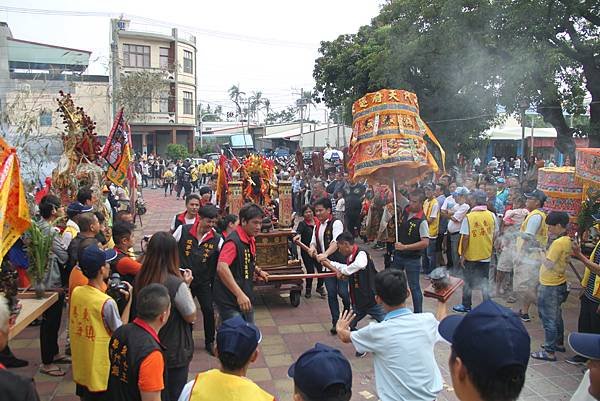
[(155, 22)]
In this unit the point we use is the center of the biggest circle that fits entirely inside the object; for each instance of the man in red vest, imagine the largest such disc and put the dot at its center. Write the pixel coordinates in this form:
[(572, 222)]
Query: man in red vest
[(192, 204)]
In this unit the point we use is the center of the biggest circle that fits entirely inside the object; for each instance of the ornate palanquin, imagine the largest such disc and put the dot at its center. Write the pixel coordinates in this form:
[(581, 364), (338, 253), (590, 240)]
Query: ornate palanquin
[(587, 167), (272, 256), (564, 192)]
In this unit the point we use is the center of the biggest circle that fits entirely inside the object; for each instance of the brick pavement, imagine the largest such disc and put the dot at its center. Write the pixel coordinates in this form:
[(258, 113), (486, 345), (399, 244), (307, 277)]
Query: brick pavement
[(288, 331)]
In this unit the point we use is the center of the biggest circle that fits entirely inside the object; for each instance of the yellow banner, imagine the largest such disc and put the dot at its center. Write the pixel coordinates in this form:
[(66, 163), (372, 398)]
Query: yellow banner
[(14, 212), (118, 175)]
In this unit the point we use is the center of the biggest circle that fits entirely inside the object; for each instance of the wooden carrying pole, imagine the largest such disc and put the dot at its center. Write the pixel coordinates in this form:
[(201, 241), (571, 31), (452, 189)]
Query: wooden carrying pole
[(278, 277)]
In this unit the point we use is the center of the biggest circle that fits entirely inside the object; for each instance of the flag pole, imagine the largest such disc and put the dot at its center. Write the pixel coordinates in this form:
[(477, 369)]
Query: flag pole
[(395, 207)]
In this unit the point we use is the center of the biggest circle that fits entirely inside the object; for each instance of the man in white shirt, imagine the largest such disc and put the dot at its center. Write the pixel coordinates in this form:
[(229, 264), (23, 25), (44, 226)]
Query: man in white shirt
[(455, 208), (402, 344), (323, 246)]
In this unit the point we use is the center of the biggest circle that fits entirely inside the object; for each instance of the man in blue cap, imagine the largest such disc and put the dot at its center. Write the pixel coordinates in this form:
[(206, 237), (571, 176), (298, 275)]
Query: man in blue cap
[(322, 373), (587, 346), (490, 352), (237, 348)]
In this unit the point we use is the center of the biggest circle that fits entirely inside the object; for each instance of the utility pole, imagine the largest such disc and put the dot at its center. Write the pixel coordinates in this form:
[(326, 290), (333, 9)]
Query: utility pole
[(523, 106), (301, 103), (337, 142), (328, 124), (114, 49), (248, 118)]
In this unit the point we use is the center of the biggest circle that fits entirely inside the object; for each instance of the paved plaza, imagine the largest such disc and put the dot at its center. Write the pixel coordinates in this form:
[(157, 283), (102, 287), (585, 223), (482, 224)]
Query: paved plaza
[(288, 331)]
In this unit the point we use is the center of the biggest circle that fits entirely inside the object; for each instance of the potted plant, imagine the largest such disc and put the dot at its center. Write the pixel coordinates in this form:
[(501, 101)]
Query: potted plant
[(38, 249)]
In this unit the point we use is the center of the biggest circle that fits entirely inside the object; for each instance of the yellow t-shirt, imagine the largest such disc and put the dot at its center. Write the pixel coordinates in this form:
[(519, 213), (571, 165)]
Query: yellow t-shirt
[(560, 253)]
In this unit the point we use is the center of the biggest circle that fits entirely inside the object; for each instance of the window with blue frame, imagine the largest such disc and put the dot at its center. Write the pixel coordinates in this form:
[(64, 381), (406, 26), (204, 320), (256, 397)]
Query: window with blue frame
[(46, 118)]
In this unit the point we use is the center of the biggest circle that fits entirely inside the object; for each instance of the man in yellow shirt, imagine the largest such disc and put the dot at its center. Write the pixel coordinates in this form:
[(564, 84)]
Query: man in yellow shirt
[(237, 348), (478, 231), (552, 291), (431, 209)]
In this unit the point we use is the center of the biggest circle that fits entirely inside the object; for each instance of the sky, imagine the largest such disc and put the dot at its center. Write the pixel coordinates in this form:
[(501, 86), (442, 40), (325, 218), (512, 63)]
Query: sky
[(260, 45)]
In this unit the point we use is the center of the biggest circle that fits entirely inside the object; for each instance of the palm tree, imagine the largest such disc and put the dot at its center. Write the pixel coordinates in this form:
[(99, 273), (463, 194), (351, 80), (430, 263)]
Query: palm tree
[(308, 101), (267, 104), (255, 102), (236, 96)]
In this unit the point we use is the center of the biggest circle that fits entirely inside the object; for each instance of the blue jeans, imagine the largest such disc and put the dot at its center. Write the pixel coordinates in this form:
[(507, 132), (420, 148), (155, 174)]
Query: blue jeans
[(429, 256), (550, 300), (227, 313), (454, 240), (475, 275), (337, 287), (376, 312), (412, 268)]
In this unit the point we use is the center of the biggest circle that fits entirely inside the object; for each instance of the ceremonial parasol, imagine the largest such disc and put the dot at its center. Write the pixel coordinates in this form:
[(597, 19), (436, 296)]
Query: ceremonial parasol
[(388, 140)]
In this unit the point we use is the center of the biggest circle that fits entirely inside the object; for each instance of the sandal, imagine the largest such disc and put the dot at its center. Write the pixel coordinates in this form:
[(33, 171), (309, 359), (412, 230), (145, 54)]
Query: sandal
[(557, 348), (55, 372), (63, 359), (543, 355)]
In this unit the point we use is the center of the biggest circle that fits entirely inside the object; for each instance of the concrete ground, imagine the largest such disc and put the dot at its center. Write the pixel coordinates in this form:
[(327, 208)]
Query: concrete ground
[(288, 331)]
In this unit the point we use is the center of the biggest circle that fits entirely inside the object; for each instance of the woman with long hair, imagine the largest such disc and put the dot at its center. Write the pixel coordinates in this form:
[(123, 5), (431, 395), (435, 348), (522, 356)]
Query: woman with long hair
[(161, 265)]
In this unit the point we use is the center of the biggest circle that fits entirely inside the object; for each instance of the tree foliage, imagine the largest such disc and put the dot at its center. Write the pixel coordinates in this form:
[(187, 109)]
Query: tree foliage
[(137, 90), (465, 58), (176, 151)]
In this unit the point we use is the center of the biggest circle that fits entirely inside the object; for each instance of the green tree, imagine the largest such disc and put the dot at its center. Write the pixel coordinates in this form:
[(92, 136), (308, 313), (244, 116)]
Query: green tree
[(551, 50), (176, 151), (210, 114), (428, 48), (287, 115), (237, 97)]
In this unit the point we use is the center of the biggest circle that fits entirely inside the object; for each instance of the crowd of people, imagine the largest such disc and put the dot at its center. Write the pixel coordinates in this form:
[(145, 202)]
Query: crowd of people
[(131, 314)]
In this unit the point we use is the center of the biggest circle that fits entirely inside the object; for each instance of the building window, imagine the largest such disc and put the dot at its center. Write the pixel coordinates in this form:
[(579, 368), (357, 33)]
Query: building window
[(188, 62), (45, 118), (164, 102), (188, 103), (164, 58), (136, 56)]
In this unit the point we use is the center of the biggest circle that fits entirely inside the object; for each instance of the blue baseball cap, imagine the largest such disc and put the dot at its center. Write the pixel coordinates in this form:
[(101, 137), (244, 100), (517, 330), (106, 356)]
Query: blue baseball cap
[(585, 344), (93, 258), (238, 337), (488, 338), (320, 367), (79, 208), (464, 191)]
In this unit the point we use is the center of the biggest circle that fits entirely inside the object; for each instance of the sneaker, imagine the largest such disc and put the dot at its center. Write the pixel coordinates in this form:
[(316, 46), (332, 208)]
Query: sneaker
[(307, 295), (360, 354), (210, 349), (460, 308), (524, 316), (321, 291), (333, 330), (576, 360)]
